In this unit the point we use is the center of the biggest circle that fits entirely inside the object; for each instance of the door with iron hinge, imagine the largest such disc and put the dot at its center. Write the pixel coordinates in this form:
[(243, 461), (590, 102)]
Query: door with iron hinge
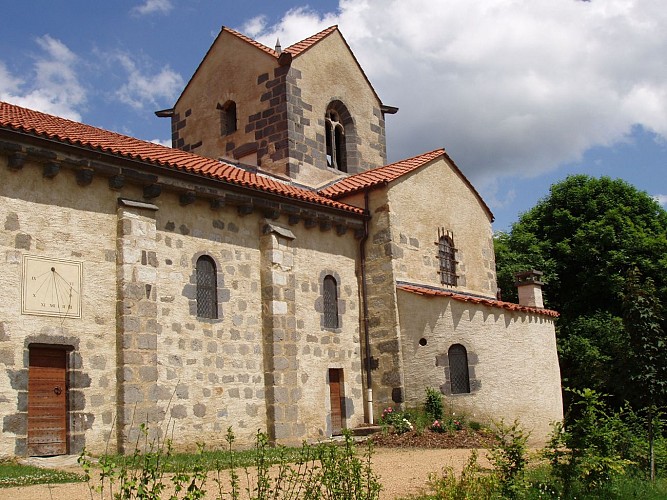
[(47, 401)]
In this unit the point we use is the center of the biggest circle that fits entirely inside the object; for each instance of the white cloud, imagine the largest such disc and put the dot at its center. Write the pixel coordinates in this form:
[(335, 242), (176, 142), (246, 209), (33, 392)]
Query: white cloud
[(143, 89), (661, 198), (53, 86), (162, 142), (508, 87), (254, 27), (153, 6)]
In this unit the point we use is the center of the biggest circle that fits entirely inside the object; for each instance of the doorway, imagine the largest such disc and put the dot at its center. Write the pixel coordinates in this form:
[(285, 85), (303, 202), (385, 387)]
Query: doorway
[(337, 398), (47, 401)]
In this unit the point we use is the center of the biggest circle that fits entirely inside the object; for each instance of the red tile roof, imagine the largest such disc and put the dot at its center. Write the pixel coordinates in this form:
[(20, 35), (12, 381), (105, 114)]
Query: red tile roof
[(255, 43), (435, 292), (379, 176), (382, 175), (62, 130), (300, 47), (294, 49)]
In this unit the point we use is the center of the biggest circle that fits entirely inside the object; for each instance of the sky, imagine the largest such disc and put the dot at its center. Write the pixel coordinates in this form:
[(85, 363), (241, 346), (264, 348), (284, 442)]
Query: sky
[(521, 93)]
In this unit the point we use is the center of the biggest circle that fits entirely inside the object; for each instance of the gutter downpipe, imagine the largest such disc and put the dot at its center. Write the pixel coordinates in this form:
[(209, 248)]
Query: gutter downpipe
[(364, 299)]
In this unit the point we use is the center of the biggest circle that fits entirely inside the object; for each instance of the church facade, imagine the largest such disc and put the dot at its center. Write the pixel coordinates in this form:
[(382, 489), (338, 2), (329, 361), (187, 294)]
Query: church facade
[(270, 271)]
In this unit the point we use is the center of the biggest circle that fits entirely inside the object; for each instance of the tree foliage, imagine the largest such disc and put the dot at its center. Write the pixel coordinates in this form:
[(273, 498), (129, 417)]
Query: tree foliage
[(586, 235)]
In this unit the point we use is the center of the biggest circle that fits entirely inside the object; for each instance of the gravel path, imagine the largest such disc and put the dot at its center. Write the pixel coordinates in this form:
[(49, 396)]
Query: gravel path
[(403, 472)]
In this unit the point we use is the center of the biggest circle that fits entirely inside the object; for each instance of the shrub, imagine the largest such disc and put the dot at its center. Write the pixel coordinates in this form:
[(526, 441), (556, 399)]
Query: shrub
[(433, 404), (586, 451), (398, 420), (473, 483), (508, 455), (438, 426)]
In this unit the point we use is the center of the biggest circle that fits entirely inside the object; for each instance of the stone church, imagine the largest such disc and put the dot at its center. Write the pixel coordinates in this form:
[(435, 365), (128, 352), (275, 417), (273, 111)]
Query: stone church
[(270, 271)]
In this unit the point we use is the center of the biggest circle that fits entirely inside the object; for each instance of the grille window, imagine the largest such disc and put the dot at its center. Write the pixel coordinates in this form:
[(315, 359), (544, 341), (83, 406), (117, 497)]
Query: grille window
[(458, 369), (330, 298), (447, 260), (207, 295)]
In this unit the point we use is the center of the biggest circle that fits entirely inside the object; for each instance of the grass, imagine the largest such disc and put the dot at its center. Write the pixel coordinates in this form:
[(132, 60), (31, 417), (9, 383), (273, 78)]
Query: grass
[(222, 459), (13, 474), (621, 488)]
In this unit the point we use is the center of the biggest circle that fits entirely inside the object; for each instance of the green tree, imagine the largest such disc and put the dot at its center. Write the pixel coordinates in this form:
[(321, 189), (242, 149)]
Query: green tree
[(585, 236), (643, 319)]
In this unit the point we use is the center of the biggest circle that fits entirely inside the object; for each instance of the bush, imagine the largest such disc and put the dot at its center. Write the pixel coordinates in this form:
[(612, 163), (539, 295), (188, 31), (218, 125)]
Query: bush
[(473, 483), (508, 455), (433, 404), (586, 451), (397, 420)]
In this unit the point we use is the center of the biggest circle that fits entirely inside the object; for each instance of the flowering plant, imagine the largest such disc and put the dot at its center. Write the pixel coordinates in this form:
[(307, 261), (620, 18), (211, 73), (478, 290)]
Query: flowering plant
[(402, 426), (457, 425), (437, 426), (386, 414)]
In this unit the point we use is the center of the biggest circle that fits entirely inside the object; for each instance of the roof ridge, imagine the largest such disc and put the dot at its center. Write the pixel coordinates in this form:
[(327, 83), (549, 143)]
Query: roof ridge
[(299, 47), (379, 175), (37, 123), (251, 41)]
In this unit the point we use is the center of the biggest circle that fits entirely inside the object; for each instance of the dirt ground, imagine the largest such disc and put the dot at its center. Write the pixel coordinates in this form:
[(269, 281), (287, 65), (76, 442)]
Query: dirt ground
[(403, 463)]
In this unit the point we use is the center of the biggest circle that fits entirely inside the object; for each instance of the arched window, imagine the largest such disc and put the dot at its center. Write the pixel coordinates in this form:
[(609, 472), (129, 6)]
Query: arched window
[(335, 137), (227, 118), (447, 259), (207, 288), (330, 299), (458, 369)]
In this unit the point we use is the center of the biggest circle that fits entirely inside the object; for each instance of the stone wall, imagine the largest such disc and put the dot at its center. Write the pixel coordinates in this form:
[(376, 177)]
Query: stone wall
[(512, 358), (56, 218), (329, 73), (447, 202), (237, 71), (139, 353), (383, 321), (280, 109)]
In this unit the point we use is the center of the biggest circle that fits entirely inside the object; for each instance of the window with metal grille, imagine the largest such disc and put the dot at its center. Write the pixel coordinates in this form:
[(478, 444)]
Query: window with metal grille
[(447, 259), (330, 299), (458, 369), (207, 288)]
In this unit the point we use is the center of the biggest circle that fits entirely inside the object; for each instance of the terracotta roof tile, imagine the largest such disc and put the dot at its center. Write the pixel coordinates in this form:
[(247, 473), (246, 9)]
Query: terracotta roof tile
[(39, 124), (295, 49), (437, 292), (383, 175), (260, 46), (379, 176), (300, 47)]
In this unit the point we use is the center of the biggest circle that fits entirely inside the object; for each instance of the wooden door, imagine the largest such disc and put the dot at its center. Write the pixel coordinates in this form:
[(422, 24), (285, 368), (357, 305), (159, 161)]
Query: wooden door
[(47, 402), (337, 398)]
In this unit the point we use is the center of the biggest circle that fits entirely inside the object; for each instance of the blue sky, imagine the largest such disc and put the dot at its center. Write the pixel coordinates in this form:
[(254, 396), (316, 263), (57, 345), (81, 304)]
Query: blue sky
[(521, 93)]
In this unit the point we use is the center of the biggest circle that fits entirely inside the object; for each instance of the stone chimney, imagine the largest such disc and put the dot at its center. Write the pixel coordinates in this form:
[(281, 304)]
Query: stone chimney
[(530, 288)]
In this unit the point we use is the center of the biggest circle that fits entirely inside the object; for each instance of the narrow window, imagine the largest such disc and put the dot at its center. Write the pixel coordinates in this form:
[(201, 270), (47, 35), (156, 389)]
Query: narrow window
[(207, 284), (227, 118), (335, 139), (330, 298), (447, 259), (458, 369)]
